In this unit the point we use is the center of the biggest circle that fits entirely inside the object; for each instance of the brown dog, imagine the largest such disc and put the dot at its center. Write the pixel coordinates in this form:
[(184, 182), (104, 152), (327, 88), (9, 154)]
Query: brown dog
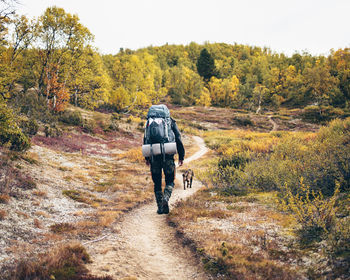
[(188, 178)]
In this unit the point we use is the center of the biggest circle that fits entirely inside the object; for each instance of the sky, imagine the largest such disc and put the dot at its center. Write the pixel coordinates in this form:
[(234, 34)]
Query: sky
[(287, 26)]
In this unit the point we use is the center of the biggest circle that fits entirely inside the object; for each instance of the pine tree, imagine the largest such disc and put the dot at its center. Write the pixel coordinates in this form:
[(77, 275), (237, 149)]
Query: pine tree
[(206, 65)]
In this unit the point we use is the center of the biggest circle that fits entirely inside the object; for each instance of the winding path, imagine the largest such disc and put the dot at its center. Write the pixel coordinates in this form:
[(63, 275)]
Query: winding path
[(274, 124), (144, 246)]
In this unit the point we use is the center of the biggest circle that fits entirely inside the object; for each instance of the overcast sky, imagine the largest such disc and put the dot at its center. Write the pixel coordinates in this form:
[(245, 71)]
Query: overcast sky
[(283, 25)]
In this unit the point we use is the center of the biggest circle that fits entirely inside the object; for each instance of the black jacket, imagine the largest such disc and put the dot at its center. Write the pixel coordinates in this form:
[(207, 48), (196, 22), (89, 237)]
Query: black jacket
[(179, 145)]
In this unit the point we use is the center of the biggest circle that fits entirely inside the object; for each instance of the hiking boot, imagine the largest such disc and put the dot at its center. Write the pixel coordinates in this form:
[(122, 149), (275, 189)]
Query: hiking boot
[(165, 207), (159, 199), (167, 193)]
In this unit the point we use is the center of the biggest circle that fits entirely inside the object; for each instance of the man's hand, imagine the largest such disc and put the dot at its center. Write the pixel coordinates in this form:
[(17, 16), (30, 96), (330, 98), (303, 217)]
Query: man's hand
[(147, 162), (181, 162)]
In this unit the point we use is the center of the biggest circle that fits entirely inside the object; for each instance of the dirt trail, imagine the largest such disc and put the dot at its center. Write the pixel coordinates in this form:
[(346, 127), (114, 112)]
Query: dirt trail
[(275, 125), (144, 246)]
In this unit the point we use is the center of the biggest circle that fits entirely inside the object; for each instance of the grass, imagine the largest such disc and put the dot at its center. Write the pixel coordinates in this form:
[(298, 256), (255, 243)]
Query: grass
[(84, 197), (63, 262), (233, 236)]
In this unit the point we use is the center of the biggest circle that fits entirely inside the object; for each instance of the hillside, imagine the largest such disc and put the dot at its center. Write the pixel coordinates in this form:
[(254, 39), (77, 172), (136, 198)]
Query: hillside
[(77, 188)]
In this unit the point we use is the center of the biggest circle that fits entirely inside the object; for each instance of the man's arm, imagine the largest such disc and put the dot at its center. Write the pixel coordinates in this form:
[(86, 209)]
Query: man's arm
[(179, 144)]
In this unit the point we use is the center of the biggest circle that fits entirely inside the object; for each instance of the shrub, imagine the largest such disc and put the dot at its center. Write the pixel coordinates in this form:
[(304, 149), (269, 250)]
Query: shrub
[(327, 159), (34, 106), (339, 246), (321, 114), (113, 126), (131, 119), (72, 118), (89, 126), (29, 127), (315, 214), (115, 116), (243, 121), (52, 130), (10, 133)]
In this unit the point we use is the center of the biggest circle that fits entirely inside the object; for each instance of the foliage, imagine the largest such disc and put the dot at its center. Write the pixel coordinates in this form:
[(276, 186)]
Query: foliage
[(185, 86), (321, 114), (10, 133), (29, 127), (52, 130), (63, 67), (56, 92), (315, 214), (339, 245), (223, 92), (34, 106), (204, 99), (71, 117), (321, 159)]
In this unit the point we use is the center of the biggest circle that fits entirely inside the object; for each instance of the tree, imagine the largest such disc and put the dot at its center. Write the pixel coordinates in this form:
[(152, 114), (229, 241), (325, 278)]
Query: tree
[(319, 82), (140, 76), (184, 85), (59, 34), (204, 100), (88, 80), (10, 67), (339, 62), (58, 94), (223, 92), (260, 93), (6, 11), (206, 65)]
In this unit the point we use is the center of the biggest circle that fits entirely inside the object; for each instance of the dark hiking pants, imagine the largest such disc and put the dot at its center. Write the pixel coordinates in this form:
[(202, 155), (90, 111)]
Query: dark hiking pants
[(168, 167)]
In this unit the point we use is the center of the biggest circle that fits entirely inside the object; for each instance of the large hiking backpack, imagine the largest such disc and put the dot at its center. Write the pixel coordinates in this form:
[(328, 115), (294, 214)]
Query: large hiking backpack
[(159, 136), (158, 125)]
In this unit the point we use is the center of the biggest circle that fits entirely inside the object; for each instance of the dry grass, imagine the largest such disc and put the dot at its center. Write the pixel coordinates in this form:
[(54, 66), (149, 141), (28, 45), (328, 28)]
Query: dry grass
[(3, 214), (63, 262), (61, 228), (237, 237), (22, 214), (4, 198), (40, 193), (133, 155), (37, 223), (106, 218), (42, 214)]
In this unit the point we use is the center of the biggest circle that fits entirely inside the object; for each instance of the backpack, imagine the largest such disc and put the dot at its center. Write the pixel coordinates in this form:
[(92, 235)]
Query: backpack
[(158, 126), (159, 137)]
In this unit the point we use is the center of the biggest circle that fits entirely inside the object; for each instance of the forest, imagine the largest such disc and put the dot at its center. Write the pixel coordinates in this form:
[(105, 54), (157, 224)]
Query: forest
[(51, 62)]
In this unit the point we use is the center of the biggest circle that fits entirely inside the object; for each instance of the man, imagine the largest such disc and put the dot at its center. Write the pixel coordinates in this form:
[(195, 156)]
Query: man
[(166, 163)]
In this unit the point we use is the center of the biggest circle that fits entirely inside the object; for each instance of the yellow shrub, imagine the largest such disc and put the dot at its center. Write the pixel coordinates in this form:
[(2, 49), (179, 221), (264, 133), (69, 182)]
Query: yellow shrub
[(133, 155), (133, 119), (315, 213)]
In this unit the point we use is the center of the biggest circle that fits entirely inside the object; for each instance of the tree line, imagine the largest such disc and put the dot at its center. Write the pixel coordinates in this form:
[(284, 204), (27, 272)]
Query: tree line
[(51, 58)]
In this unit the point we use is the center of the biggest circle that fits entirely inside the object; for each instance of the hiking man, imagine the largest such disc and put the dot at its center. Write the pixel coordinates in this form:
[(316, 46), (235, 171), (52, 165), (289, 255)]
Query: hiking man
[(162, 140)]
